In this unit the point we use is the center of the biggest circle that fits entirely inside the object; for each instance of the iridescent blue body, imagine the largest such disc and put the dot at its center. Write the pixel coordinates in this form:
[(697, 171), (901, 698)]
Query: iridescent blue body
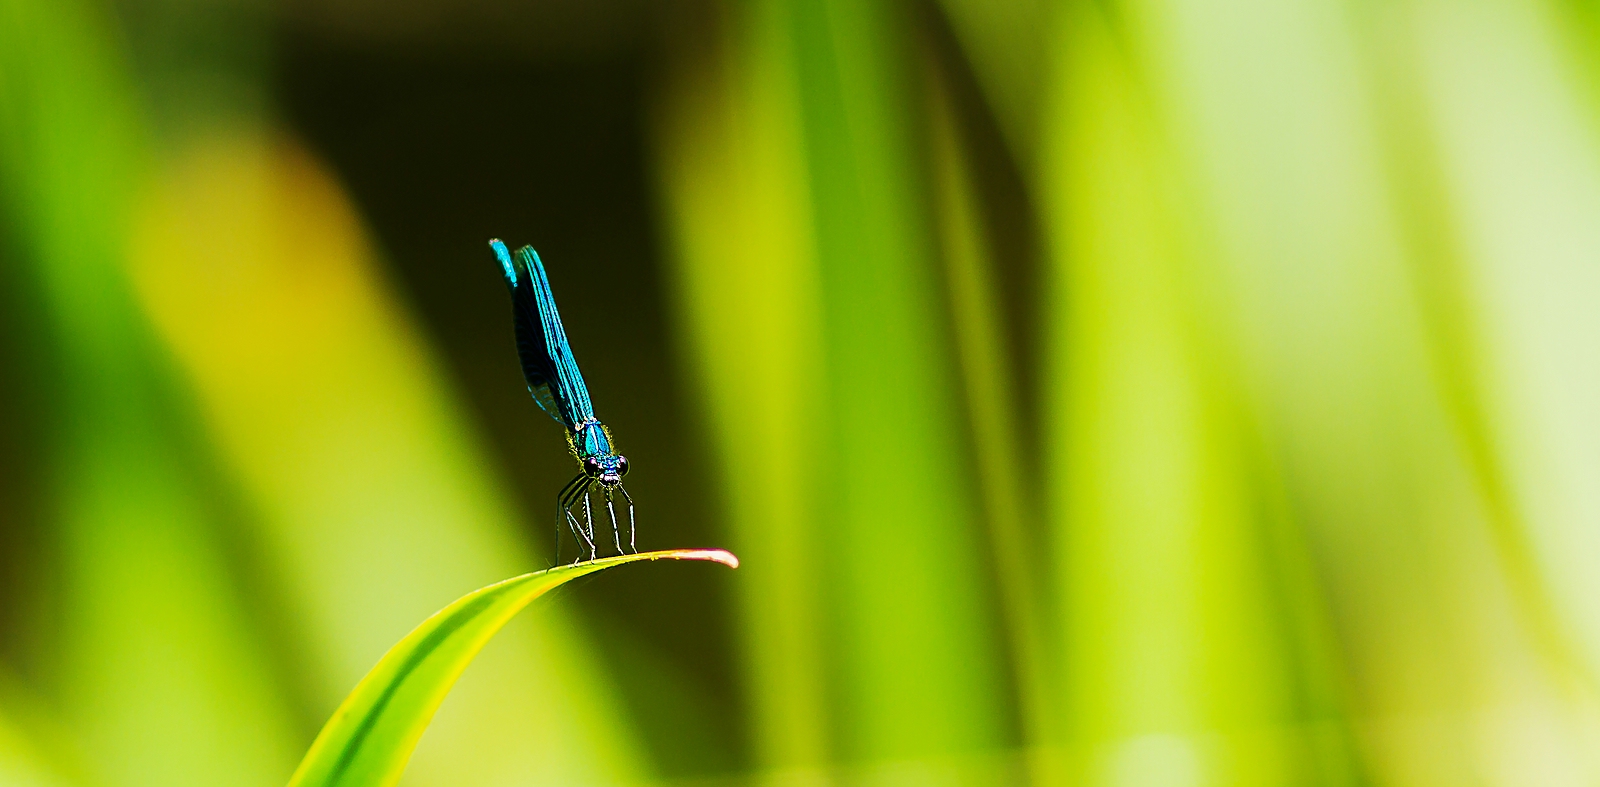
[(557, 386)]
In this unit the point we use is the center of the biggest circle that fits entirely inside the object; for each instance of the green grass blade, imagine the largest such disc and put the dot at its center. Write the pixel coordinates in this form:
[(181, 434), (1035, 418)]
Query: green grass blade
[(734, 185), (827, 360), (987, 374), (917, 663), (1190, 623), (370, 738)]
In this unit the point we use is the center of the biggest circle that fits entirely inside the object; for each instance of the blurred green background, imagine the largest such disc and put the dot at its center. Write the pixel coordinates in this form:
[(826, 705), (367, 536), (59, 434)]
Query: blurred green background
[(1140, 393)]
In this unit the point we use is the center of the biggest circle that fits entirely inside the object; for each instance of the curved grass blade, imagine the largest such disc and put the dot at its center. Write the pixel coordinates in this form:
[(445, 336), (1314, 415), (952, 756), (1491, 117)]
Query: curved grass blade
[(371, 736)]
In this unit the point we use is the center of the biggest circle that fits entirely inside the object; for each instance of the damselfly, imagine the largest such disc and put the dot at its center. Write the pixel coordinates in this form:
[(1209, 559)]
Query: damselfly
[(557, 386)]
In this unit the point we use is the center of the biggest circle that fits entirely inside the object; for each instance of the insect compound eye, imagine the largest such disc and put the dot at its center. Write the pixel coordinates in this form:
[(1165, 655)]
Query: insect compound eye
[(622, 465), (591, 467)]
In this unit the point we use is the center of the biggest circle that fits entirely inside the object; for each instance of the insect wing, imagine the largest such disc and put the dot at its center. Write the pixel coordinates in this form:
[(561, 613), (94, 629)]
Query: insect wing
[(537, 366), (565, 381)]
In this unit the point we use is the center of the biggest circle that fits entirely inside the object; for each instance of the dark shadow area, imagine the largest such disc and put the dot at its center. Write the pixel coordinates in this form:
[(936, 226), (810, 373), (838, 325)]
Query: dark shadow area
[(28, 573)]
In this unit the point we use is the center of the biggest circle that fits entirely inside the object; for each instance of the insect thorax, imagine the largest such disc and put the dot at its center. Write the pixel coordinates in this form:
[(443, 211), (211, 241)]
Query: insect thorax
[(591, 438)]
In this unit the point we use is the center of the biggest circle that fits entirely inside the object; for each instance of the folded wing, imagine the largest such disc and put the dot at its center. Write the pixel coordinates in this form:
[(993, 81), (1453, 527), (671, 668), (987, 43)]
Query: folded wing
[(547, 363)]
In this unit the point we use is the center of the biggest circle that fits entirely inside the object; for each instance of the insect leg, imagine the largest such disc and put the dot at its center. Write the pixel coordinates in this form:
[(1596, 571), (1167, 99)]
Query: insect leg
[(631, 546), (588, 522), (615, 536), (562, 501), (579, 536)]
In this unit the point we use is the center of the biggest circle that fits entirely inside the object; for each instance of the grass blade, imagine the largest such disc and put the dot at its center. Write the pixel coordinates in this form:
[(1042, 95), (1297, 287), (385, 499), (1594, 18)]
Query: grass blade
[(734, 182), (987, 374), (790, 146), (916, 654), (370, 738), (1190, 621)]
